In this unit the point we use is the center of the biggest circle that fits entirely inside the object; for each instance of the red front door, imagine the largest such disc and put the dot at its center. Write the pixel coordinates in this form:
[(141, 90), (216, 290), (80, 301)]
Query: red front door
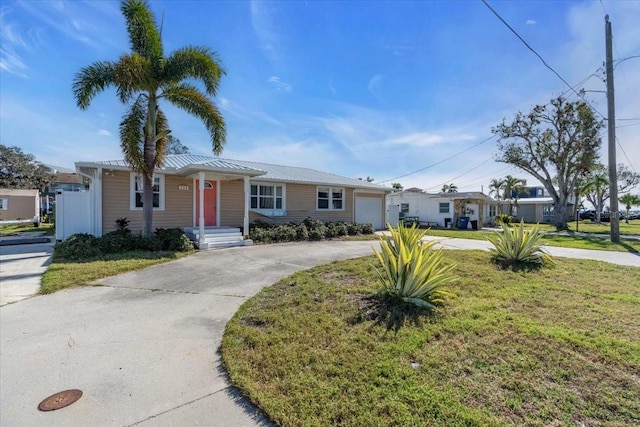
[(209, 203)]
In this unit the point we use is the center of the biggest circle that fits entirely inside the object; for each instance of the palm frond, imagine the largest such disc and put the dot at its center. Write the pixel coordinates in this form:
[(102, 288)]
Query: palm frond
[(91, 80), (190, 99), (144, 35), (132, 135), (133, 74), (194, 62)]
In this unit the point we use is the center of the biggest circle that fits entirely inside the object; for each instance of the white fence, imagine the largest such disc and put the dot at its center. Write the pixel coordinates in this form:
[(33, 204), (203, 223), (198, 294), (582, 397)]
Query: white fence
[(73, 213)]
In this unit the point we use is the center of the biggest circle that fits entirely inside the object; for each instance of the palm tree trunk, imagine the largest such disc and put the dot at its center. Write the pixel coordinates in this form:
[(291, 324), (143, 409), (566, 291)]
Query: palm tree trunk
[(149, 160)]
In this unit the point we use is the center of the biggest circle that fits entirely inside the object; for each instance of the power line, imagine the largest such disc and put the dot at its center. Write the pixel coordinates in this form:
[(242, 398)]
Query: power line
[(441, 161), (625, 154), (462, 174)]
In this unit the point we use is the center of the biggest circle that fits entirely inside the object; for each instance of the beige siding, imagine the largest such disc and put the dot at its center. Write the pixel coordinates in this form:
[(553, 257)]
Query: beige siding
[(300, 203), (232, 203), (19, 207), (178, 211)]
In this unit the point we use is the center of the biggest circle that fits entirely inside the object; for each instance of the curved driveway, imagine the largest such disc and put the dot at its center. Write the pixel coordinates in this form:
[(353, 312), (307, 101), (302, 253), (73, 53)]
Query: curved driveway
[(143, 346)]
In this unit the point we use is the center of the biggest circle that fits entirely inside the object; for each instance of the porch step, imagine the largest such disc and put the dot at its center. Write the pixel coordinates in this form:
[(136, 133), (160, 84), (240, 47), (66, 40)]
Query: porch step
[(217, 237)]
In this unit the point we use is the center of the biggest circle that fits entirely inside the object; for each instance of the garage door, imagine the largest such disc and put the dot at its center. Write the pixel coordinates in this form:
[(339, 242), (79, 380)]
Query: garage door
[(369, 209)]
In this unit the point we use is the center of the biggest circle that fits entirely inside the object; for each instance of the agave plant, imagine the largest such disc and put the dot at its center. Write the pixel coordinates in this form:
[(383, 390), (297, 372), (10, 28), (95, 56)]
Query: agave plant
[(411, 269), (517, 245)]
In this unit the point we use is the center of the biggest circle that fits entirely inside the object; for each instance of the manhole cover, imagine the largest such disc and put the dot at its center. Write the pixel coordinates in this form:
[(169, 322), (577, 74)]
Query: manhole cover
[(60, 400)]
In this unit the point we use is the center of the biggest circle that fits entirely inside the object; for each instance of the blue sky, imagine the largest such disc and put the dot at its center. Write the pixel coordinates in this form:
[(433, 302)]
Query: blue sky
[(357, 88)]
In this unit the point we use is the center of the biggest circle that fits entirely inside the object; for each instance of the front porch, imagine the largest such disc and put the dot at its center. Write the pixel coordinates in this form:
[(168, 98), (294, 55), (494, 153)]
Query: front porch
[(217, 237)]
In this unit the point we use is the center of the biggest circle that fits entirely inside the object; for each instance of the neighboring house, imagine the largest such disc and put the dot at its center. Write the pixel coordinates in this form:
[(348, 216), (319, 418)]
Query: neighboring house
[(442, 209), (234, 192), (534, 206), (65, 180), (19, 204)]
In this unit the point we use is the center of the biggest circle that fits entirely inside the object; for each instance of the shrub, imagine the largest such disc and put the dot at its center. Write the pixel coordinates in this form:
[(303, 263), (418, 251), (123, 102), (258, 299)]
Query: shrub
[(353, 229), (123, 224), (302, 233), (411, 270), (336, 229), (285, 233), (504, 219), (116, 241), (260, 235), (515, 245), (173, 239), (316, 234), (77, 246), (367, 228)]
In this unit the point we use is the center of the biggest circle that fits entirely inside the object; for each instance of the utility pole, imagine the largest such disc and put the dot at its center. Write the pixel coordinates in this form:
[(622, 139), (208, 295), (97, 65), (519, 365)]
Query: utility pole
[(611, 126)]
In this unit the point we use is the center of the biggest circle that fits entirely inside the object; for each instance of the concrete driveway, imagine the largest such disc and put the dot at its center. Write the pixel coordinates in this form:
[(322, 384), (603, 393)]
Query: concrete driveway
[(21, 267), (143, 347)]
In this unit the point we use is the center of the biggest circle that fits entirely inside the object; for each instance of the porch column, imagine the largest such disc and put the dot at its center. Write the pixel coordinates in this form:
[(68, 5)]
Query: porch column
[(247, 194), (201, 213)]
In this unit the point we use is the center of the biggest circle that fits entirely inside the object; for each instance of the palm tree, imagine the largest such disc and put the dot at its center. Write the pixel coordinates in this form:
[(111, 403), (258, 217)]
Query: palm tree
[(495, 190), (142, 78), (594, 187), (629, 200), (449, 188), (512, 187)]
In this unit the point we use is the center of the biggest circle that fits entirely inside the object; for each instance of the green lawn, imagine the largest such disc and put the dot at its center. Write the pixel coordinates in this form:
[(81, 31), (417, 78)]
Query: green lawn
[(568, 241), (558, 346), (63, 274), (49, 229)]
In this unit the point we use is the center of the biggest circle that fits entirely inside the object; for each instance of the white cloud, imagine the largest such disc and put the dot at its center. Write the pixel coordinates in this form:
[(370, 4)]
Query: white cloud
[(104, 132), (531, 22), (264, 29), (279, 84), (374, 85), (11, 41)]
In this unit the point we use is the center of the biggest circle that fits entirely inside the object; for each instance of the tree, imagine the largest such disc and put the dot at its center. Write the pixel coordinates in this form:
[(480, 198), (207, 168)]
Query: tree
[(175, 146), (512, 187), (449, 188), (397, 186), (367, 179), (21, 170), (144, 77), (595, 185), (558, 140), (629, 200)]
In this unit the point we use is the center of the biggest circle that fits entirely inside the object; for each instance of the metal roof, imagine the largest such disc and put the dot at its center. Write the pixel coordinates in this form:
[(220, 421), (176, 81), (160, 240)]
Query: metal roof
[(261, 171)]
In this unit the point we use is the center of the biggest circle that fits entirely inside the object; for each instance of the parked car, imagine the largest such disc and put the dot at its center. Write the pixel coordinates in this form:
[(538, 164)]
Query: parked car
[(606, 216), (588, 214), (634, 214)]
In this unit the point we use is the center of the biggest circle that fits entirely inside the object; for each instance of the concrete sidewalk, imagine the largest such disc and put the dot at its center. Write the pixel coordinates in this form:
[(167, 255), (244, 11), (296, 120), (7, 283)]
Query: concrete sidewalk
[(21, 269), (143, 347)]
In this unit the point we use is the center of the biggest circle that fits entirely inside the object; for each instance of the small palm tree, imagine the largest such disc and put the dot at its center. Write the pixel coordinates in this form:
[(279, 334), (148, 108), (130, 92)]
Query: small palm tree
[(142, 79), (629, 200), (495, 190), (512, 187), (449, 188)]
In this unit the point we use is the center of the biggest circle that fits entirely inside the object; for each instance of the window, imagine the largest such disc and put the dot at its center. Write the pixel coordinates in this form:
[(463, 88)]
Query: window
[(443, 207), (492, 210), (137, 190), (404, 207), (267, 196), (330, 198), (547, 210), (4, 204)]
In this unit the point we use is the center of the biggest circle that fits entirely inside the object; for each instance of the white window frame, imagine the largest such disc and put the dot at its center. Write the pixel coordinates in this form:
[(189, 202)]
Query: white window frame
[(441, 205), (132, 192), (404, 208), (4, 204), (493, 210), (275, 186), (331, 190)]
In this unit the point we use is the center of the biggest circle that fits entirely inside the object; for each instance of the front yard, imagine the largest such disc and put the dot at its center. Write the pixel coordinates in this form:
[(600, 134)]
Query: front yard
[(558, 346)]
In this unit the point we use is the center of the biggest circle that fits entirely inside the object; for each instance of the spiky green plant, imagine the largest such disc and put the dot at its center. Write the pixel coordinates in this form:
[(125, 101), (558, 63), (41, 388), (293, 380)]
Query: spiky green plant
[(411, 269), (517, 245)]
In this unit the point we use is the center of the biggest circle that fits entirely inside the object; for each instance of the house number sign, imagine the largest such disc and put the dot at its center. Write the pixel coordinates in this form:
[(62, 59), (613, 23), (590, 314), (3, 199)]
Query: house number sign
[(183, 187)]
